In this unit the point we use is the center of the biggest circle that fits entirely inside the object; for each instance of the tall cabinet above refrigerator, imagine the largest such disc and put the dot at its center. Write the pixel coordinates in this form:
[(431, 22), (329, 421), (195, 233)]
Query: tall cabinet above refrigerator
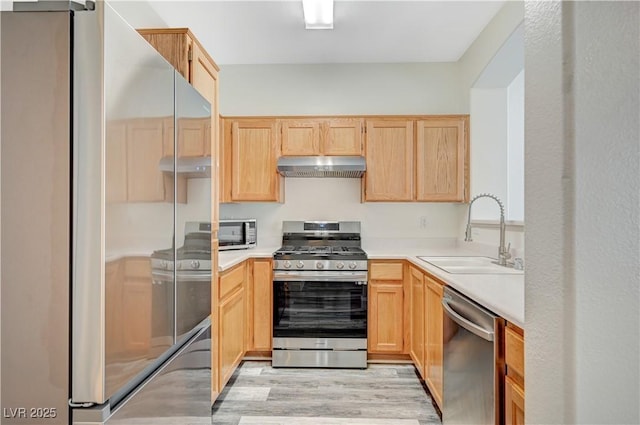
[(106, 224)]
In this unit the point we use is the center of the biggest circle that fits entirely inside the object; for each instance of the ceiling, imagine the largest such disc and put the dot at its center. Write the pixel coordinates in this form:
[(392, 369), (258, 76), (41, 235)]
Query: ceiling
[(272, 32)]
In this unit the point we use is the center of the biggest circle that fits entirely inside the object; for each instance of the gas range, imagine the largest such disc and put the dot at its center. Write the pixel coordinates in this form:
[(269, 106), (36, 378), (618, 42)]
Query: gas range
[(320, 296), (193, 256), (320, 245)]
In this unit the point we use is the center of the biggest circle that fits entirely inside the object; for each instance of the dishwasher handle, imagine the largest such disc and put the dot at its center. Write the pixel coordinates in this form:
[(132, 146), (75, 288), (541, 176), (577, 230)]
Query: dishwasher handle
[(465, 323)]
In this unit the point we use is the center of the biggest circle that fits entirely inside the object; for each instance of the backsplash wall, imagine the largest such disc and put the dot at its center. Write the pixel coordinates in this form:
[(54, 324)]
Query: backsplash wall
[(339, 199)]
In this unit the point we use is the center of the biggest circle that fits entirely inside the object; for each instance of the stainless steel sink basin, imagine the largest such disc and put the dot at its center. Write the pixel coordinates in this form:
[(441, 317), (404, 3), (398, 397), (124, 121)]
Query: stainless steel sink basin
[(469, 265)]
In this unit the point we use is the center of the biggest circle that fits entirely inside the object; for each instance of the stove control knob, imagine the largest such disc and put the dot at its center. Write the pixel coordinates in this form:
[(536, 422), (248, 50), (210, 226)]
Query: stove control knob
[(319, 265), (340, 265), (195, 264), (287, 264), (300, 264), (352, 265)]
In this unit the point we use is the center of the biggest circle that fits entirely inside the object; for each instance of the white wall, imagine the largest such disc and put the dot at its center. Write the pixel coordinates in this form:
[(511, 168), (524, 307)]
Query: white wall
[(339, 199), (141, 228), (336, 89), (497, 154), (340, 89), (489, 74), (484, 48), (489, 122), (582, 203), (515, 149), (138, 13)]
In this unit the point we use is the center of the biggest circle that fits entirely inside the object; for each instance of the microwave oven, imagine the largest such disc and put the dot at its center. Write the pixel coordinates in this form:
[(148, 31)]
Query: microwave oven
[(237, 234)]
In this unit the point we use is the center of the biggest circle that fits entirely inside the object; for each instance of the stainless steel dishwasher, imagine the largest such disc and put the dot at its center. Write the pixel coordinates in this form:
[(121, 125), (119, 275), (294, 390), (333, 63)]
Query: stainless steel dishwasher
[(471, 354)]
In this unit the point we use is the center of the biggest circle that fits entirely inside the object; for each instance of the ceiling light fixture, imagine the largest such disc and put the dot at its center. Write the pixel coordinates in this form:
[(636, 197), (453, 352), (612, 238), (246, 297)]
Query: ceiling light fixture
[(318, 14)]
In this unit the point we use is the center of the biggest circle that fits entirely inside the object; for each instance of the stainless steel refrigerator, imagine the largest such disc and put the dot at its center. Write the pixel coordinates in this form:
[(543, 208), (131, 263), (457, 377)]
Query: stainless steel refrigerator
[(105, 259)]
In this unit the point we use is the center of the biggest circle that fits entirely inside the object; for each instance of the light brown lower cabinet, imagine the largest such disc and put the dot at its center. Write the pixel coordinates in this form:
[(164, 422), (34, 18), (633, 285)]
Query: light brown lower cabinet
[(433, 364), (242, 304), (262, 305), (514, 379), (386, 308), (128, 307), (136, 295), (416, 282), (231, 314)]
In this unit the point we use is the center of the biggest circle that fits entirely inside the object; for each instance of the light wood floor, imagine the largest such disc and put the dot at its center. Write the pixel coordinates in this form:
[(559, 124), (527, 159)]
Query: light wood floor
[(379, 395)]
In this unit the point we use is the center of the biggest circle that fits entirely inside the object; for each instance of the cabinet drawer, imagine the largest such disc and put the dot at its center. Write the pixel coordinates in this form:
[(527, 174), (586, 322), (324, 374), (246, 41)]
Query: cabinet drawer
[(514, 351), (386, 271), (231, 280)]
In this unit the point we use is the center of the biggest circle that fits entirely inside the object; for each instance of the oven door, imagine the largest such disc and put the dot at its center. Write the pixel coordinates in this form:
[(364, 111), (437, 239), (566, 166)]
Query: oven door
[(193, 301), (327, 304)]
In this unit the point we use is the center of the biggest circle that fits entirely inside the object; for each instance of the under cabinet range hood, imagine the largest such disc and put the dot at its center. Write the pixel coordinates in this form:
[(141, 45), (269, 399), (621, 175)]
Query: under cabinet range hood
[(195, 167), (322, 166)]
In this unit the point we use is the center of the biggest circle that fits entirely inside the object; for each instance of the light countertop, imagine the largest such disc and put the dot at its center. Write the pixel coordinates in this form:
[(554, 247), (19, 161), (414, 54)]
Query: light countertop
[(501, 293), (228, 259)]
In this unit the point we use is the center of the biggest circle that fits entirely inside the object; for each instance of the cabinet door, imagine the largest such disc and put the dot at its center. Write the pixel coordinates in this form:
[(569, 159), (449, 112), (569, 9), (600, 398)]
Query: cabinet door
[(253, 161), (203, 74), (262, 305), (300, 137), (389, 153), (342, 137), (204, 78), (136, 297), (231, 334), (441, 151), (145, 181), (417, 319), (215, 314), (434, 342), (385, 333), (514, 403), (168, 130), (192, 137), (114, 324)]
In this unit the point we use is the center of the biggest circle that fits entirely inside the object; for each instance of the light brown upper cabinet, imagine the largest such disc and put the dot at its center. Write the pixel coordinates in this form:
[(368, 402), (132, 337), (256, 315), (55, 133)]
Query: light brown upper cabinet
[(433, 166), (182, 50), (250, 154), (300, 137), (441, 160), (322, 136), (194, 137), (389, 154), (134, 148)]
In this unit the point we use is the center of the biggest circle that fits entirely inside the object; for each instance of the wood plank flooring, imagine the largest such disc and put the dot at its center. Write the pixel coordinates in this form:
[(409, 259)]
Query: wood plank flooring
[(258, 394)]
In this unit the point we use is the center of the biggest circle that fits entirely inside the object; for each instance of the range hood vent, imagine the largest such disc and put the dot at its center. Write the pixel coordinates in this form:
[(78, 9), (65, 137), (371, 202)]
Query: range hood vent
[(322, 166), (197, 167)]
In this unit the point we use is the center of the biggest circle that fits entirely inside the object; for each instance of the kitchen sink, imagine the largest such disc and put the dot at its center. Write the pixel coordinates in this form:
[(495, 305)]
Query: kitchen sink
[(469, 265)]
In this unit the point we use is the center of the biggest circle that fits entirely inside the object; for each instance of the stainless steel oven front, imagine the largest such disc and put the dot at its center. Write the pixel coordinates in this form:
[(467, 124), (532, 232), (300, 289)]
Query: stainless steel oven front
[(319, 319)]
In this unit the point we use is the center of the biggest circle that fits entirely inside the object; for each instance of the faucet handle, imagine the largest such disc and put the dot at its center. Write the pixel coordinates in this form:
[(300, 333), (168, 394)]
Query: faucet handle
[(518, 263)]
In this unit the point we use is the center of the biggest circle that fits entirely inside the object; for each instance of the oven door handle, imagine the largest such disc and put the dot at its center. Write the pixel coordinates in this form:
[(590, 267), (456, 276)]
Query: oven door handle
[(328, 276)]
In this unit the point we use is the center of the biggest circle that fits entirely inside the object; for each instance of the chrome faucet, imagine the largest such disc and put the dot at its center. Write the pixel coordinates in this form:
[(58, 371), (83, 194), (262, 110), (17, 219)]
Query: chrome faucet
[(503, 252)]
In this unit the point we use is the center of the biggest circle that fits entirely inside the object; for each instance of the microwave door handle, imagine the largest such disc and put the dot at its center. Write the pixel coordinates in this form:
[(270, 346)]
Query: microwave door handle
[(245, 228)]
